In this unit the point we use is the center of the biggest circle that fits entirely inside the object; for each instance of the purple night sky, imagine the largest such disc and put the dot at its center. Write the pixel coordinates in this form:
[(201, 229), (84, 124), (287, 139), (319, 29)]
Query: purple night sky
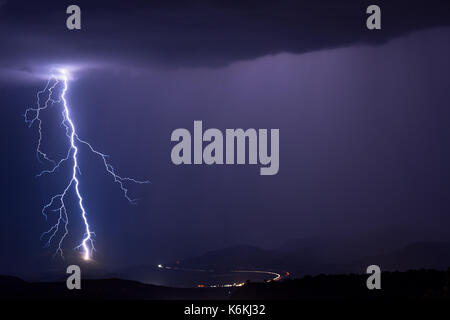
[(364, 125)]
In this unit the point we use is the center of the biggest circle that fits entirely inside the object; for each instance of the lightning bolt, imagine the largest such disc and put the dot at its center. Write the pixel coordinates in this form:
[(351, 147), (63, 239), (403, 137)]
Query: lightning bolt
[(57, 202)]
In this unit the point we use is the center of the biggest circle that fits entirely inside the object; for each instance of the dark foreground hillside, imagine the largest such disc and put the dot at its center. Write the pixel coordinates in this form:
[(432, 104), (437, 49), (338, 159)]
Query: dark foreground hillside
[(419, 284), (413, 284), (107, 289)]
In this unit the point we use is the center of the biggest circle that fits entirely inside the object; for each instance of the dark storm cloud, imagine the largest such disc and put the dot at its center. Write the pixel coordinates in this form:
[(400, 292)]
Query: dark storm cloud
[(198, 33)]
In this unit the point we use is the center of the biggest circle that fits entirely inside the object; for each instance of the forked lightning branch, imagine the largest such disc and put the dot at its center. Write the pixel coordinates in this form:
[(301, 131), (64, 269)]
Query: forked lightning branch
[(53, 99)]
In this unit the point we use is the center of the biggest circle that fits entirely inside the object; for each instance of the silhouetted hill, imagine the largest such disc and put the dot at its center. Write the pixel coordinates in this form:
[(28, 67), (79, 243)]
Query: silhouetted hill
[(311, 257), (417, 284), (253, 258), (342, 248), (414, 284), (431, 255), (299, 257), (11, 281), (236, 257), (13, 288)]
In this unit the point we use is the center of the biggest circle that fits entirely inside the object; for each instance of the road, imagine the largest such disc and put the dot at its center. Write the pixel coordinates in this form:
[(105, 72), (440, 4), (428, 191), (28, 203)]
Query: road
[(274, 275)]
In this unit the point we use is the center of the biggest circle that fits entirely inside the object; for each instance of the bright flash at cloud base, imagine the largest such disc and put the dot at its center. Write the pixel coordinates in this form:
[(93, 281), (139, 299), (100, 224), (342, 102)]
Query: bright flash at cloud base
[(87, 243)]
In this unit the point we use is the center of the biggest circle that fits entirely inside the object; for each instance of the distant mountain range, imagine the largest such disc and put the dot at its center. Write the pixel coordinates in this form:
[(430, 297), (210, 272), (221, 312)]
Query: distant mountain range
[(299, 257), (303, 258), (427, 255), (303, 261)]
